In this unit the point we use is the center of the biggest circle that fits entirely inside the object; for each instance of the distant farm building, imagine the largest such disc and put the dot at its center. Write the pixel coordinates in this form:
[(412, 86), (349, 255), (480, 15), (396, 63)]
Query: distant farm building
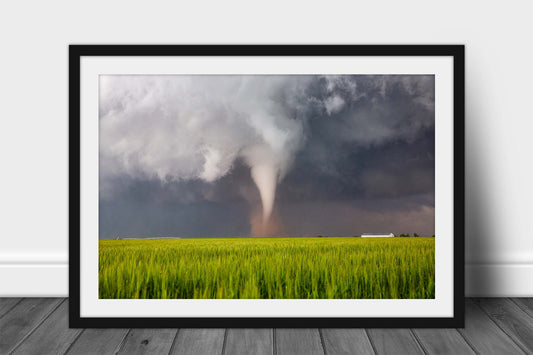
[(377, 235)]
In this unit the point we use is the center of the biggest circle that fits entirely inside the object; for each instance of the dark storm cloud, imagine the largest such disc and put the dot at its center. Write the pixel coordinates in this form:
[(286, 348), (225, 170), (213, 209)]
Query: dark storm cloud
[(379, 144), (356, 154), (347, 171), (192, 208)]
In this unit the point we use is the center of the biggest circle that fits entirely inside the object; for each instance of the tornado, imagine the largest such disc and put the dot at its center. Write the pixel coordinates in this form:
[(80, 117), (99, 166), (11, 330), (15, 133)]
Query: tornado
[(265, 178), (184, 128)]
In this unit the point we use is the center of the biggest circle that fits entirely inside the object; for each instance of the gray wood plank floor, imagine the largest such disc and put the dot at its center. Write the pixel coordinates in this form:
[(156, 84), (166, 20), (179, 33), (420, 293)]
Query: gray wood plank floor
[(40, 326)]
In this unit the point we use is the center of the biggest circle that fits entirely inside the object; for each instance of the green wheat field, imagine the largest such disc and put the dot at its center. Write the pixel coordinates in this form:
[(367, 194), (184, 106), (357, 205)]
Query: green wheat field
[(268, 268)]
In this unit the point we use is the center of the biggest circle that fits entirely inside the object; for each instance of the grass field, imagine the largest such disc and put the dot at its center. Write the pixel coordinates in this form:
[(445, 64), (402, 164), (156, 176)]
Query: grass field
[(267, 268)]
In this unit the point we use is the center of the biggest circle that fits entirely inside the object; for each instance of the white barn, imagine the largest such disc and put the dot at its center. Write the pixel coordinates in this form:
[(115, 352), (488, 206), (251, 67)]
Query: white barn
[(377, 235)]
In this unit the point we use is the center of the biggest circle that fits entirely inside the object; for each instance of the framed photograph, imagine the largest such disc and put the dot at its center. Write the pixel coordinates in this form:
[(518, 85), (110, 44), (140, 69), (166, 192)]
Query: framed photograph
[(266, 186)]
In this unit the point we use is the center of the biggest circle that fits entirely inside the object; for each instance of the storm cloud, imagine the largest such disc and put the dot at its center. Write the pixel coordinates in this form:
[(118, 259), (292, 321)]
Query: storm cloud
[(200, 156)]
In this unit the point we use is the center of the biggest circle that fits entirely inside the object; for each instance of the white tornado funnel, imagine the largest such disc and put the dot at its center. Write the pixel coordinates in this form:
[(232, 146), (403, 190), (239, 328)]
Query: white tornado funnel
[(265, 177)]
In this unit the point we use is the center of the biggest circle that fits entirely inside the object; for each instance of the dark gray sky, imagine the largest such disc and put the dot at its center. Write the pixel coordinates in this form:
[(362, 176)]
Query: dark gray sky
[(208, 156)]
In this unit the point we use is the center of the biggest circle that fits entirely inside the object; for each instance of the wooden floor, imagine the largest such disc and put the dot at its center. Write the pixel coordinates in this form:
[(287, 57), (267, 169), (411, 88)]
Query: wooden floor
[(40, 326)]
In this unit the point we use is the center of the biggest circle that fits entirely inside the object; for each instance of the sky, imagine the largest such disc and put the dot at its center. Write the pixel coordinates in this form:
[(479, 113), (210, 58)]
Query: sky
[(262, 155)]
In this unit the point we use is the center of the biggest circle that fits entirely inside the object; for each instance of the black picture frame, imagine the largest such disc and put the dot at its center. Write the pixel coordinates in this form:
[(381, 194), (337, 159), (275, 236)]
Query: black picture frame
[(76, 52)]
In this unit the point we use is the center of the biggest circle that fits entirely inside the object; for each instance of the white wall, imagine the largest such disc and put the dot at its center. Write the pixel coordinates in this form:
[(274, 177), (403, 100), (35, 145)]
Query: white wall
[(33, 110)]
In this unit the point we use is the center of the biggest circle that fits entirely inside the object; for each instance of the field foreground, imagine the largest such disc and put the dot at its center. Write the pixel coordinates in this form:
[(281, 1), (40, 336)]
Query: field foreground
[(267, 268)]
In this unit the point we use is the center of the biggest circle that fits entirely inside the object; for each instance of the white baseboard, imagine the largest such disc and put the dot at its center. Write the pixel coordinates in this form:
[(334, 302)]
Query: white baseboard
[(34, 280), (51, 280), (499, 280)]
